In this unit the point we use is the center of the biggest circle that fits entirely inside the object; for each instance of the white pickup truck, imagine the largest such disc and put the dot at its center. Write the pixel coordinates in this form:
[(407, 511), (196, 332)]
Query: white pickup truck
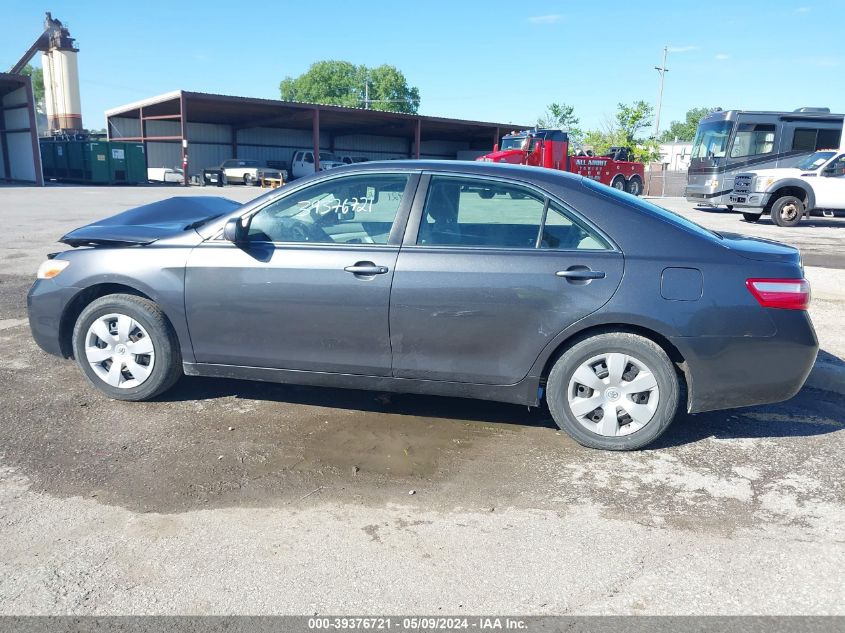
[(816, 184), (302, 163)]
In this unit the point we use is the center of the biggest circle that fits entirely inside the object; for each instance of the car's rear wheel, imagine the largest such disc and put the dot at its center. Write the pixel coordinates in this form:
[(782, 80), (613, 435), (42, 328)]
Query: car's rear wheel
[(751, 217), (618, 183), (247, 180), (615, 391), (635, 186), (787, 211), (126, 348)]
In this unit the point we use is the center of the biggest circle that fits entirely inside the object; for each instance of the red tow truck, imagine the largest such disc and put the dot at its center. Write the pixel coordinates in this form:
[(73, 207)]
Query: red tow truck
[(550, 148)]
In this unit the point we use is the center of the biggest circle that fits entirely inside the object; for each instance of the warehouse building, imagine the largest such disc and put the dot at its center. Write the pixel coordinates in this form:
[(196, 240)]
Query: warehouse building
[(20, 160), (207, 129)]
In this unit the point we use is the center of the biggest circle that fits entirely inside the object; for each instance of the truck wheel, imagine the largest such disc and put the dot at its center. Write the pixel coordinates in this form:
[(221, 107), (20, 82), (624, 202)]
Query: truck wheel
[(247, 180), (615, 391), (618, 183), (787, 211), (729, 207), (751, 217), (635, 186), (485, 193)]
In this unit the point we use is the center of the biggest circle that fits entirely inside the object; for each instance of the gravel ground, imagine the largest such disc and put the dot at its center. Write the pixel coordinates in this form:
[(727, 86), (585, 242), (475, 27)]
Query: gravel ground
[(237, 497)]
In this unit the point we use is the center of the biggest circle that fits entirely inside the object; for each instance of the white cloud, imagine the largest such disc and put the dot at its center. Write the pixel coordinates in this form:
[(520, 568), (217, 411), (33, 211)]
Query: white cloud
[(722, 56), (682, 49), (545, 19)]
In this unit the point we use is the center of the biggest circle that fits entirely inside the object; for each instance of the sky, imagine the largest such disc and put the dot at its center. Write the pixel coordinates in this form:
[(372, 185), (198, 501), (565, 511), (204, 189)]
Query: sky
[(485, 60)]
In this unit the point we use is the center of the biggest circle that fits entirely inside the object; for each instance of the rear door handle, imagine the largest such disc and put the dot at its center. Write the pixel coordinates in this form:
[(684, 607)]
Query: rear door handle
[(581, 274), (366, 269)]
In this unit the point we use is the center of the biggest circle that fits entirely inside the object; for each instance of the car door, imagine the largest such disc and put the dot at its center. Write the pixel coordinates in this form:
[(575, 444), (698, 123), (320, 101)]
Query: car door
[(829, 187), (489, 273), (309, 289)]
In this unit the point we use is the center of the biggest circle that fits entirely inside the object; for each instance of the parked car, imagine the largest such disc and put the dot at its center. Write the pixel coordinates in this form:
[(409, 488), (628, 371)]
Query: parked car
[(816, 184), (165, 174), (303, 163), (351, 160), (401, 276), (249, 172)]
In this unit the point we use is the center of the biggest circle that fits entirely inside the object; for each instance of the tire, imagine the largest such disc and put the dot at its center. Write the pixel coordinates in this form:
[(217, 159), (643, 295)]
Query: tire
[(144, 321), (751, 217), (618, 183), (248, 180), (729, 207), (486, 194), (640, 359), (787, 211), (635, 186)]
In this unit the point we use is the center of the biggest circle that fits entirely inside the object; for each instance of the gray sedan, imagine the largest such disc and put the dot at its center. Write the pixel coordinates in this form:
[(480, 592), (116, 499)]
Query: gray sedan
[(477, 280)]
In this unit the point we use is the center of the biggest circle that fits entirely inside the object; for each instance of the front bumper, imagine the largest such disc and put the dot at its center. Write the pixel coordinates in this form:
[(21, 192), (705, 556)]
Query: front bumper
[(728, 372), (750, 200), (46, 303)]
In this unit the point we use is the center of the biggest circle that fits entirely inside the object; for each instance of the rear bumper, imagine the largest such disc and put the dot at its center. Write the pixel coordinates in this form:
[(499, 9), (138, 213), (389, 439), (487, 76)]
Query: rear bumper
[(728, 372), (46, 303)]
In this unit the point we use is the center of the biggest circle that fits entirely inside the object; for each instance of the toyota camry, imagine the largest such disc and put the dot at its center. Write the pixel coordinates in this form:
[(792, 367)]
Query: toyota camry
[(476, 280)]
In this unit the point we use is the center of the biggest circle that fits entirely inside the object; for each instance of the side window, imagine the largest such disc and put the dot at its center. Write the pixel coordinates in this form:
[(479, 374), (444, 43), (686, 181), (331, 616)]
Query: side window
[(470, 212), (308, 157), (297, 157), (836, 167), (228, 163), (350, 210), (561, 231), (753, 139), (814, 139)]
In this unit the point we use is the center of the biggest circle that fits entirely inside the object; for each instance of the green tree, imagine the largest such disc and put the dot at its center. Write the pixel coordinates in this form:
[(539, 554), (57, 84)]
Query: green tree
[(562, 116), (335, 82), (623, 130), (631, 119), (685, 130), (37, 77)]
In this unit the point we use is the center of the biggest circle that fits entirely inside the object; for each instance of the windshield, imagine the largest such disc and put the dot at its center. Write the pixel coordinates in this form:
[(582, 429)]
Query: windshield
[(711, 143), (513, 142), (327, 156), (814, 161)]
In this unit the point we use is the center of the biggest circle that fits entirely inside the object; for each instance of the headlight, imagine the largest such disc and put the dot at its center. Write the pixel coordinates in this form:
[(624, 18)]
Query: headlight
[(762, 183), (51, 268)]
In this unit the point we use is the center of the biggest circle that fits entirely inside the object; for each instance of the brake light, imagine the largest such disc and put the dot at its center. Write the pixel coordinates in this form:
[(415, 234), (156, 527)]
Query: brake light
[(787, 294)]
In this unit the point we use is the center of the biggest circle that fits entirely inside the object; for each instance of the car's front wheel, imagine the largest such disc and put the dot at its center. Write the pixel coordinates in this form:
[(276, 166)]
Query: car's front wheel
[(248, 181), (126, 347), (614, 391), (751, 217), (787, 211)]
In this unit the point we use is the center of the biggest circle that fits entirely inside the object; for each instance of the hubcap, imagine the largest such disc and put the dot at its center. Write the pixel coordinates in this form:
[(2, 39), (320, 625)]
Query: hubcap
[(613, 394), (119, 351), (789, 211)]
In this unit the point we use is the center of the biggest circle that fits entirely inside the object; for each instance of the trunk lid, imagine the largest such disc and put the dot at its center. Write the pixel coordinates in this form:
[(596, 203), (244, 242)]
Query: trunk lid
[(760, 249), (150, 222)]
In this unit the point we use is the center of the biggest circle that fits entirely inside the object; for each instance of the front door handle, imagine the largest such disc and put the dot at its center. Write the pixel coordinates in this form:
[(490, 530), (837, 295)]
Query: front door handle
[(366, 269), (581, 274)]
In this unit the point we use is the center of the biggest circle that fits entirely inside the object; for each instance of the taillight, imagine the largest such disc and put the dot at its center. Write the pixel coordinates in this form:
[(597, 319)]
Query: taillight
[(788, 294)]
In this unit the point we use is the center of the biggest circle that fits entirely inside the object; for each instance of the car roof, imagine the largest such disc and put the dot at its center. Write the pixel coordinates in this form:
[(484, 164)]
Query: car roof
[(537, 175)]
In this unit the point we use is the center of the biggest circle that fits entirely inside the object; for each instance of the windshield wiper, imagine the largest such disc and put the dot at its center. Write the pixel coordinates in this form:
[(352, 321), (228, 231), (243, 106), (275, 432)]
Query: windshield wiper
[(198, 223)]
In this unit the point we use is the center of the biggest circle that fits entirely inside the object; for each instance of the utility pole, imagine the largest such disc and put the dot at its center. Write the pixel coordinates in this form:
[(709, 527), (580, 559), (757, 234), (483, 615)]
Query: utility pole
[(662, 70)]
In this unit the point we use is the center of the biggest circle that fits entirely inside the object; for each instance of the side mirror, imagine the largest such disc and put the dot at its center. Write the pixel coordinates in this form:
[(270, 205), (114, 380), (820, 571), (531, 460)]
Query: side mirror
[(234, 231)]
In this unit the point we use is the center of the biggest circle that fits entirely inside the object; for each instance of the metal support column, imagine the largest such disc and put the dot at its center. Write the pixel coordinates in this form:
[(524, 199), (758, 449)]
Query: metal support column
[(315, 137), (183, 127), (417, 137)]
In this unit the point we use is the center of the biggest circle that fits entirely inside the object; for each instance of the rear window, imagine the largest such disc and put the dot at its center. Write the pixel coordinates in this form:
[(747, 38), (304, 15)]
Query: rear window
[(652, 209)]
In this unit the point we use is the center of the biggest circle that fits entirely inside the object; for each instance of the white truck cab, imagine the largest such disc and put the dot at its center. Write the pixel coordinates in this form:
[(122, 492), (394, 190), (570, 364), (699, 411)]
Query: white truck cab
[(303, 163), (817, 183)]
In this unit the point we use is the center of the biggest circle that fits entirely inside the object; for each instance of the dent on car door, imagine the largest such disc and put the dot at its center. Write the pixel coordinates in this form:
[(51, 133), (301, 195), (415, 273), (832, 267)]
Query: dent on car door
[(488, 274), (310, 288)]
